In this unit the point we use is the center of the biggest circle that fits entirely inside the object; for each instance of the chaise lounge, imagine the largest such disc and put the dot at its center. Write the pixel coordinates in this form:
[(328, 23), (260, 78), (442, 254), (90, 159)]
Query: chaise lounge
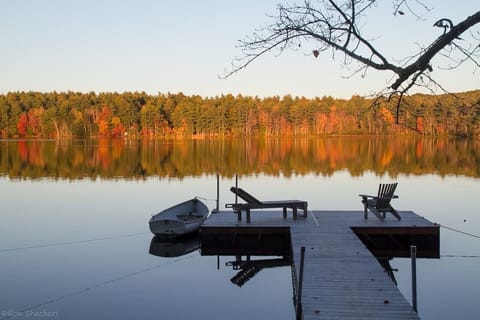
[(254, 203)]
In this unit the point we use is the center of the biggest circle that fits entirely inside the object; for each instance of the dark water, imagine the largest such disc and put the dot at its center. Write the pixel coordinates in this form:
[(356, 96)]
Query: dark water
[(74, 248)]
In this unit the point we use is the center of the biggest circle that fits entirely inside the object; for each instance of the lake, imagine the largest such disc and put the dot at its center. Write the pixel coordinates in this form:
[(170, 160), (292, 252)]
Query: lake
[(75, 244)]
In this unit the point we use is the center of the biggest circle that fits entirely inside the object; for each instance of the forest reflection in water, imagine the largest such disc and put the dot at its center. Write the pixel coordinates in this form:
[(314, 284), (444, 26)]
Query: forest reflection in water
[(138, 159)]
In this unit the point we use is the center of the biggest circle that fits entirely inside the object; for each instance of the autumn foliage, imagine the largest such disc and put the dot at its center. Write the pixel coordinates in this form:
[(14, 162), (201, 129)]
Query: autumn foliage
[(114, 115)]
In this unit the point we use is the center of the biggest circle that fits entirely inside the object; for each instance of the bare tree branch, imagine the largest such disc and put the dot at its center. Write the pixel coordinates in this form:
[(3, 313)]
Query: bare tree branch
[(423, 61), (336, 25), (398, 4)]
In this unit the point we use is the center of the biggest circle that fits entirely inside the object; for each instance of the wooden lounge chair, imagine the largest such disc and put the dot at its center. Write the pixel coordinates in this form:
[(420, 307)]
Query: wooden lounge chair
[(254, 203), (379, 205)]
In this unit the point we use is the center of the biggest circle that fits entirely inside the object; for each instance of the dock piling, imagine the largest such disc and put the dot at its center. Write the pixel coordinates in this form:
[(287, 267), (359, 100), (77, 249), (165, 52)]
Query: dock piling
[(413, 255), (300, 284)]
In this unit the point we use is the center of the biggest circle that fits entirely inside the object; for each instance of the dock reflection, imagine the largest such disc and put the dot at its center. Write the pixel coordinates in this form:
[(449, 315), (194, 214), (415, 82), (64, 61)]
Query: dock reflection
[(249, 250), (249, 267)]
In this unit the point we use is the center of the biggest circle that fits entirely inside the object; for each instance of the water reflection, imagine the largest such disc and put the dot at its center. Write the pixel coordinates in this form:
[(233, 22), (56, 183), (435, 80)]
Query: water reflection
[(134, 159), (248, 267), (168, 248), (385, 263)]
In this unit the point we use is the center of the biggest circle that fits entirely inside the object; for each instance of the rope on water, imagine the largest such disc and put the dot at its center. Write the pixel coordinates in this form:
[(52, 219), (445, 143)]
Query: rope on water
[(57, 244), (15, 314), (460, 231), (457, 256), (463, 233)]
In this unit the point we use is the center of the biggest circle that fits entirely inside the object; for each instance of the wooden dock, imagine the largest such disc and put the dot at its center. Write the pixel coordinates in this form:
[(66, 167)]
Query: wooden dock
[(342, 278)]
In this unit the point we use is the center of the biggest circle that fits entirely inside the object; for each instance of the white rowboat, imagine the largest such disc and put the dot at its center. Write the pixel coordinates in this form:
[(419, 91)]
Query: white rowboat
[(181, 219)]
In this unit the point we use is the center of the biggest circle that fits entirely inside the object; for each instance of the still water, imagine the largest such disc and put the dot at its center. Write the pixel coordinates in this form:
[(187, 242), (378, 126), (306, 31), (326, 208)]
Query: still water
[(74, 240), (96, 262)]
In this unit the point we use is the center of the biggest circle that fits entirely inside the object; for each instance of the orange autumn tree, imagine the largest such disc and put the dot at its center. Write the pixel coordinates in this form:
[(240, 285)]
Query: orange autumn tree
[(118, 130), (22, 125), (102, 121), (420, 125), (387, 118), (35, 122)]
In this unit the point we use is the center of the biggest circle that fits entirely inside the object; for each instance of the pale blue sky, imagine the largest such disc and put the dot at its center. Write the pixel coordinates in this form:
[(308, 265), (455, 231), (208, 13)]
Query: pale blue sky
[(173, 46)]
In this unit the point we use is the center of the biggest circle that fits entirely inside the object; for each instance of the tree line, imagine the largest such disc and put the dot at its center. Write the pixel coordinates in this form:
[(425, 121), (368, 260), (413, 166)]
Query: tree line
[(137, 114)]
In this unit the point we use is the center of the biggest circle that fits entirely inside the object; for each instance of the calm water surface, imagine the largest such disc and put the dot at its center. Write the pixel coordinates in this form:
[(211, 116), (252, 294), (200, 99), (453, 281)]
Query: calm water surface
[(112, 274), (74, 248)]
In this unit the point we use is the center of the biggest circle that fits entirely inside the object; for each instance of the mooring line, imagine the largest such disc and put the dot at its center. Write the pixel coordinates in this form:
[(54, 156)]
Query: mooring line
[(459, 231), (458, 256), (206, 199), (95, 286), (57, 244), (314, 219)]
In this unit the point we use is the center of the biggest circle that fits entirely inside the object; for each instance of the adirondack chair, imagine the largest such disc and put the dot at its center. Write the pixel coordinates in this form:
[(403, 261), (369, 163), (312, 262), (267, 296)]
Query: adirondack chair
[(254, 203), (379, 205)]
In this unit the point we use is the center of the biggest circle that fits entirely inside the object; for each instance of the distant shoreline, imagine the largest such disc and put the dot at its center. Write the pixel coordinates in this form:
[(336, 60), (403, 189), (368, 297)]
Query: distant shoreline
[(139, 115)]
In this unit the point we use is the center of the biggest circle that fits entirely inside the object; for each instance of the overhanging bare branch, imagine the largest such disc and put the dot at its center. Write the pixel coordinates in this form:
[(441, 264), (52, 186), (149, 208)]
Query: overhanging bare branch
[(336, 25), (423, 61)]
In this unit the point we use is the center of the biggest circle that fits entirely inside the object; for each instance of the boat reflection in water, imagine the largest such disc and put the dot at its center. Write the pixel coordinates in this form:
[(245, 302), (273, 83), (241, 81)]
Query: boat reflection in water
[(174, 247)]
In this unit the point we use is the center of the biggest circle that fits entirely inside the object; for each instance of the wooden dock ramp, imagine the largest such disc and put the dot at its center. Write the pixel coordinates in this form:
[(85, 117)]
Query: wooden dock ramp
[(342, 278)]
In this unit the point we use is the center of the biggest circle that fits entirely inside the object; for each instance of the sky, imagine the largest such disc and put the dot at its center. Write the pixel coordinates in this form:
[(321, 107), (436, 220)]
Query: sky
[(184, 46)]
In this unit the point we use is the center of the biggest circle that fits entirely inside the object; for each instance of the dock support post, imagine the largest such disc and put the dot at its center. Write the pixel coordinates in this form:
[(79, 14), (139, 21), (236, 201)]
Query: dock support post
[(300, 285), (413, 255), (218, 194), (236, 186), (239, 211)]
